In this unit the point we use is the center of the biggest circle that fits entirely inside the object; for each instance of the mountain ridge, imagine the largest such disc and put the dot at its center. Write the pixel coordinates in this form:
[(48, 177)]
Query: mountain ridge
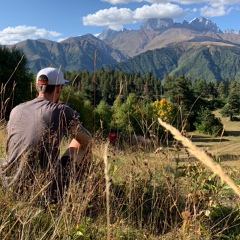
[(72, 54), (120, 48), (210, 62)]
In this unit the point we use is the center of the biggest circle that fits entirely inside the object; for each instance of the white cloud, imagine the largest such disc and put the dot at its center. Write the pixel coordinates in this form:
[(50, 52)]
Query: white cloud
[(159, 11), (115, 17), (218, 3), (115, 2), (112, 17), (213, 3), (208, 11), (13, 35)]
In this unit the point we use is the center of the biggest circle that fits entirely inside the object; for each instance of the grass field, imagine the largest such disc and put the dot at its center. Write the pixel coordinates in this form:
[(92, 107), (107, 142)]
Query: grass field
[(226, 146), (133, 193)]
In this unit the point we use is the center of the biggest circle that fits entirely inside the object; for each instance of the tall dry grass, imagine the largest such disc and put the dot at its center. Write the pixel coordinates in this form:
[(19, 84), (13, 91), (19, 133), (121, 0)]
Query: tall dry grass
[(139, 190), (3, 137), (201, 155), (126, 194)]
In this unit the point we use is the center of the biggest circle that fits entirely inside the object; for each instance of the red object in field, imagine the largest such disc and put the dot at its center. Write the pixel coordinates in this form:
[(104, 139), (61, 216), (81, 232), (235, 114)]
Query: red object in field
[(112, 137)]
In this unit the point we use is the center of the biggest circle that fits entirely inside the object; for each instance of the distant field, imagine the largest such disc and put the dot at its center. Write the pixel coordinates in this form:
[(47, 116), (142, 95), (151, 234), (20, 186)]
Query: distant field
[(227, 147), (228, 144)]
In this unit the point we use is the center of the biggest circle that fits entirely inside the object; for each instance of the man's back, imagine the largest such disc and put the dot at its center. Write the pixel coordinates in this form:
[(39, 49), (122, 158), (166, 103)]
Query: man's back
[(35, 131), (37, 128)]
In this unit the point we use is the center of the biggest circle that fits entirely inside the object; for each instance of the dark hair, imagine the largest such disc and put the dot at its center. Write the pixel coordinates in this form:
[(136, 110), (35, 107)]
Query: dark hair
[(43, 79), (43, 86)]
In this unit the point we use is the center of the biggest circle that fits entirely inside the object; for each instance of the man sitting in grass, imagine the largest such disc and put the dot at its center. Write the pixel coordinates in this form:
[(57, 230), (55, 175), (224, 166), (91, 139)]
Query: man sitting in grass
[(35, 131)]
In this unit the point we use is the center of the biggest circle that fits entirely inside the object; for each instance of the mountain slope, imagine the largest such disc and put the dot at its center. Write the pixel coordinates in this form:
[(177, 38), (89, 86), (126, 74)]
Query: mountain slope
[(209, 62), (72, 54)]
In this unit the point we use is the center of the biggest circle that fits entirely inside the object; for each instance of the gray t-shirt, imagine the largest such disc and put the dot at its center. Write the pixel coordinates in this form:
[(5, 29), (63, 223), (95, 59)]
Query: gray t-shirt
[(36, 128)]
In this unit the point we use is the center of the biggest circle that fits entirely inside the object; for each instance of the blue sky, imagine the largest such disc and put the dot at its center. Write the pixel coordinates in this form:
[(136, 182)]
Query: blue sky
[(58, 20)]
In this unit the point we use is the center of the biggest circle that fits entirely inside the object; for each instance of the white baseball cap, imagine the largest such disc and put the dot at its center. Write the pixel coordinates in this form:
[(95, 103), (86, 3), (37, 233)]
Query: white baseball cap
[(51, 76)]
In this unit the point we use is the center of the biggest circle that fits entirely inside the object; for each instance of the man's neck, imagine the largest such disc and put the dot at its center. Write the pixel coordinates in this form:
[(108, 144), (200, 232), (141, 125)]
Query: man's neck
[(48, 97)]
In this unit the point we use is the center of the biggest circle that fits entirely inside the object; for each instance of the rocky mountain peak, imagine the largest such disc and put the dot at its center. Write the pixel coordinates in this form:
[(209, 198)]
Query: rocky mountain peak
[(231, 31), (110, 33), (205, 24), (157, 23)]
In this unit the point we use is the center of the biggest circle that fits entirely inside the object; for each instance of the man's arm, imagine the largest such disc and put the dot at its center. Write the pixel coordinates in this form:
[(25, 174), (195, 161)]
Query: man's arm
[(81, 141), (82, 136)]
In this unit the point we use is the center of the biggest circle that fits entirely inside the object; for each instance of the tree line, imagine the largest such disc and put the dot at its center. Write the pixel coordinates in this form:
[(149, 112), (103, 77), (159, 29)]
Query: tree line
[(111, 100)]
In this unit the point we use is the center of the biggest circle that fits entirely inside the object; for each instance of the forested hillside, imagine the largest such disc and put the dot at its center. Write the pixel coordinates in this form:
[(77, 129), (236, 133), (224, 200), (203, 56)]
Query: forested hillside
[(209, 62)]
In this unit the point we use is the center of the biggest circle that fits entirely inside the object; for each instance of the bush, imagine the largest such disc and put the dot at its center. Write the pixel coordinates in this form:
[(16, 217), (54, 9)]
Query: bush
[(206, 122)]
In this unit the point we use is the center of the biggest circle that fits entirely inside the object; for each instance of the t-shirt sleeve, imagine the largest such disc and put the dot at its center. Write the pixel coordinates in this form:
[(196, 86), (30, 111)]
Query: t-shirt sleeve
[(71, 116), (73, 124)]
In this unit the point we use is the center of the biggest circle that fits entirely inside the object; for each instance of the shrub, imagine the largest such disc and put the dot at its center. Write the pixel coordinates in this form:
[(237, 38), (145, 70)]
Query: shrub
[(206, 122)]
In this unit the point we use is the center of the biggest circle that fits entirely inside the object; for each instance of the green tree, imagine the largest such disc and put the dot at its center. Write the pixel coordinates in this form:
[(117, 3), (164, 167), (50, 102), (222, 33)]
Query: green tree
[(83, 106), (232, 107), (73, 98), (200, 88), (87, 117), (212, 86), (16, 82), (127, 116), (119, 116), (206, 122), (179, 92), (232, 86), (103, 117), (222, 91), (108, 84)]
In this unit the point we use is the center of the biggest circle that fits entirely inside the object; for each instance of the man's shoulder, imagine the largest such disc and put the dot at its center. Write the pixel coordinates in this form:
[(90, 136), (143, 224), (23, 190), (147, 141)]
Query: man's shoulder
[(65, 107), (22, 105)]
